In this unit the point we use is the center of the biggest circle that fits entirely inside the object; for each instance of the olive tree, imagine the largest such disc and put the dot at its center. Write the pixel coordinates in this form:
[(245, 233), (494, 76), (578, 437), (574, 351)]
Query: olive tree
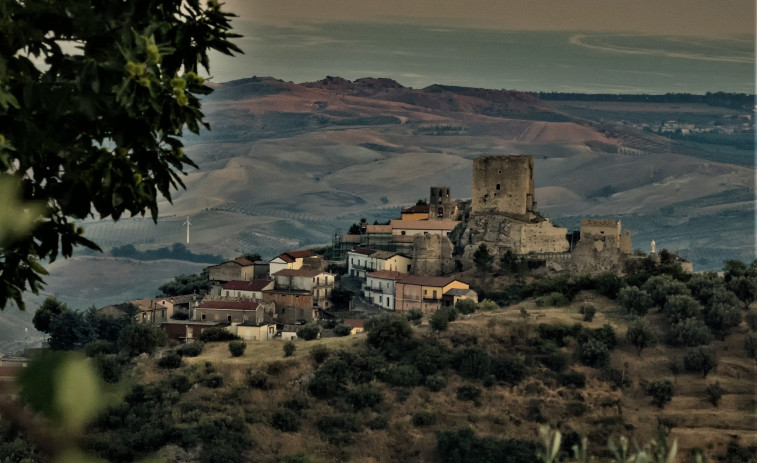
[(94, 100)]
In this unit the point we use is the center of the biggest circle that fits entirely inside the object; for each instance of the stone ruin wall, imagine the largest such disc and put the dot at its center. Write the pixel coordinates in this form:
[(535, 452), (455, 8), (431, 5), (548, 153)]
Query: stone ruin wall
[(440, 205), (432, 255), (504, 185)]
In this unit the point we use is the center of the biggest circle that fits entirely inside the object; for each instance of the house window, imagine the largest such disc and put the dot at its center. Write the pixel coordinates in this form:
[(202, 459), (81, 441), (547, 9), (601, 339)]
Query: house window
[(434, 294), (227, 294), (498, 187), (203, 317), (402, 232), (440, 212), (228, 318)]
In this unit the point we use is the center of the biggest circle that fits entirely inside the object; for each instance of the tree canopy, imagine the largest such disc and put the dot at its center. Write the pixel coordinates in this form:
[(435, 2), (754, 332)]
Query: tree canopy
[(94, 98)]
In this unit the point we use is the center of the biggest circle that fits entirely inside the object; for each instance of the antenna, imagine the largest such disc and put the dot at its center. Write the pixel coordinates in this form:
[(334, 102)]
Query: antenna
[(187, 223)]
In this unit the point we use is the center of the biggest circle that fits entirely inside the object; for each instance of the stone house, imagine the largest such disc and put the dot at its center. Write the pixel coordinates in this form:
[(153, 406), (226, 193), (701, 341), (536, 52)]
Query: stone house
[(356, 325), (149, 312), (237, 269), (187, 331), (318, 283), (358, 263), (450, 298), (424, 292), (290, 306), (380, 288), (419, 227), (182, 304), (224, 311)]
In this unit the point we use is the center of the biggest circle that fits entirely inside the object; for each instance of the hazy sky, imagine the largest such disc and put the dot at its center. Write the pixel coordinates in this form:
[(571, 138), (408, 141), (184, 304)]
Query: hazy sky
[(709, 18)]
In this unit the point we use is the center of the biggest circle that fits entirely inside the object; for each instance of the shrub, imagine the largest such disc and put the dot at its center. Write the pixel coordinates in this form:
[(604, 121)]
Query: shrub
[(289, 348), (553, 299), (634, 300), (608, 284), (473, 363), (641, 335), (319, 353), (469, 393), (466, 306), (309, 332), (109, 367), (440, 320), (170, 360), (605, 335), (415, 315), (337, 428), (192, 349), (217, 334), (660, 287), (391, 335), (487, 305), (435, 382), (285, 420), (750, 344), (237, 348), (213, 381), (722, 318), (463, 339), (342, 330), (462, 445), (556, 360), (402, 376), (700, 359), (364, 396), (330, 379), (423, 418), (714, 393), (259, 380), (661, 392), (509, 369), (100, 347), (573, 379), (588, 311), (594, 353), (378, 423), (180, 383), (691, 332)]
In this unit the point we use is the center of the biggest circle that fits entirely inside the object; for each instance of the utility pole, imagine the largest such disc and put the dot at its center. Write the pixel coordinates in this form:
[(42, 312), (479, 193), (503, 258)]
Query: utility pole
[(187, 223)]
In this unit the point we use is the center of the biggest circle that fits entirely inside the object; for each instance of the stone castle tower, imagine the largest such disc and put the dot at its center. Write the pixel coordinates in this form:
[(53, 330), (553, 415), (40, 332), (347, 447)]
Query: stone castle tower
[(504, 185), (440, 206)]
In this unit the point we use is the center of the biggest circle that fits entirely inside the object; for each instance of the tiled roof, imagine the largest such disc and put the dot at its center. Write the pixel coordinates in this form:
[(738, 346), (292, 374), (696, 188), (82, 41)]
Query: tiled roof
[(424, 224), (243, 262), (228, 305), (243, 285), (423, 280), (383, 255), (459, 292), (350, 238), (302, 272), (378, 228), (364, 251), (143, 304), (387, 275), (354, 322), (417, 209)]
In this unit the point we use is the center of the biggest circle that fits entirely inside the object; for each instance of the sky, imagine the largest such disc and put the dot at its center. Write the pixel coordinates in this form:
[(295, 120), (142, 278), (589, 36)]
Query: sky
[(700, 18)]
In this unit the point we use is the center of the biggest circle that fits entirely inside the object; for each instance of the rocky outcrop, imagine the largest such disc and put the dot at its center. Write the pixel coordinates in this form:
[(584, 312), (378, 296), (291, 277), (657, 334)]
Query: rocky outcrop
[(597, 255)]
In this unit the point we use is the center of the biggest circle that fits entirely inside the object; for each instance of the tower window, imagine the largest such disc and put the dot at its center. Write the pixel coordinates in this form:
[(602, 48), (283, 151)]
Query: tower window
[(498, 187)]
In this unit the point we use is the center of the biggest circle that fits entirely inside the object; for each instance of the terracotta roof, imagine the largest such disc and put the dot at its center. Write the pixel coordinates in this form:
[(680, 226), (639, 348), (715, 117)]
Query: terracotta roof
[(243, 262), (424, 224), (423, 280), (354, 322), (364, 251), (388, 275), (459, 291), (291, 256), (301, 272), (378, 228), (243, 285), (350, 238), (228, 305), (417, 209)]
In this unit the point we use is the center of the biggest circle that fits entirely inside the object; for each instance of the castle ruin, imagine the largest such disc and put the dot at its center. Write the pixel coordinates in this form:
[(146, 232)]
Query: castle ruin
[(440, 206), (504, 185)]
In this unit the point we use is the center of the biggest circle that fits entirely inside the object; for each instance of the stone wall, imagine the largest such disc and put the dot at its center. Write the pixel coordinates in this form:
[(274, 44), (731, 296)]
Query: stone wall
[(440, 205), (504, 185), (432, 255), (594, 254)]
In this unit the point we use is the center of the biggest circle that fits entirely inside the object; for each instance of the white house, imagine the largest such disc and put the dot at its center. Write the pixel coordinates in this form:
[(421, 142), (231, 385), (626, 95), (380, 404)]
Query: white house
[(379, 287), (362, 261), (291, 260), (317, 282)]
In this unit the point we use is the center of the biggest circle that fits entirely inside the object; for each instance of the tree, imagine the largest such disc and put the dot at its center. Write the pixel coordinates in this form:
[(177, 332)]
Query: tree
[(309, 332), (187, 284), (714, 393), (47, 312), (136, 339), (252, 257), (70, 330), (390, 334), (96, 130), (722, 318), (641, 335), (661, 392), (483, 258), (745, 288), (594, 353), (237, 348), (678, 307), (700, 359), (690, 332), (662, 286), (636, 301)]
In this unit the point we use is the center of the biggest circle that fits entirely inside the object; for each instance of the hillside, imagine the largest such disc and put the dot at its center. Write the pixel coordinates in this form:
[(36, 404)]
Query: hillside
[(290, 165)]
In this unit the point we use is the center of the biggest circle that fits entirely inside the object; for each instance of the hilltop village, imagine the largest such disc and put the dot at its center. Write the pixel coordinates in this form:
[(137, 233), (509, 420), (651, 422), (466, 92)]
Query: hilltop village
[(414, 262)]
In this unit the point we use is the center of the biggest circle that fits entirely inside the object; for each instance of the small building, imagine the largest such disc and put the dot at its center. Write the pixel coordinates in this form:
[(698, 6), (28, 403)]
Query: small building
[(379, 288), (295, 260), (424, 292), (318, 283), (356, 325), (358, 263), (237, 269), (231, 311), (420, 227), (362, 261), (250, 331), (607, 231), (246, 289), (151, 313), (182, 304), (187, 331), (290, 306)]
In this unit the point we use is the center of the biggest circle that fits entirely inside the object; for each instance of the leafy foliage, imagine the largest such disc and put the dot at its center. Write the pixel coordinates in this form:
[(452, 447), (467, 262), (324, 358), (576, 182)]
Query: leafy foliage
[(700, 359), (365, 396), (136, 339), (285, 420), (237, 348), (101, 127), (71, 330), (289, 349), (309, 332), (170, 361), (466, 306), (186, 284), (47, 312), (192, 349), (391, 335), (641, 335), (462, 445), (588, 311), (217, 334), (594, 353), (483, 258), (634, 300), (661, 392), (690, 332), (714, 393)]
